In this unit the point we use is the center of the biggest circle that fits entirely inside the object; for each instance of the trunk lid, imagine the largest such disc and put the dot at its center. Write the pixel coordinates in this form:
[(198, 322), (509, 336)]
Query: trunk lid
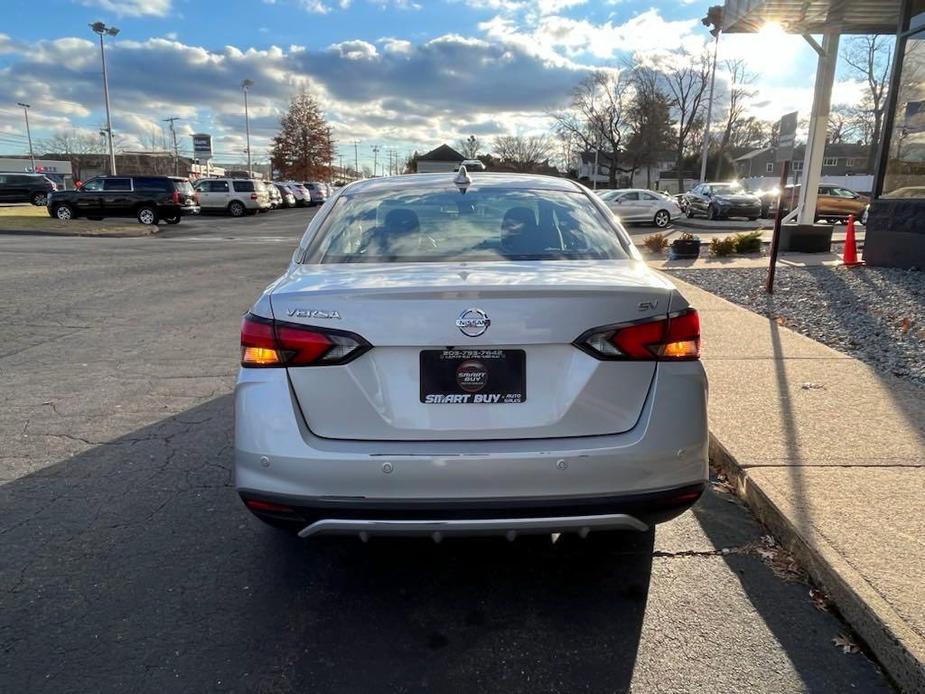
[(538, 308)]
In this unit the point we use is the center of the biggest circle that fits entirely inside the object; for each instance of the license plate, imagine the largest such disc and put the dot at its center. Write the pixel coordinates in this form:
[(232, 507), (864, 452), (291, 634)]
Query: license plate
[(473, 376)]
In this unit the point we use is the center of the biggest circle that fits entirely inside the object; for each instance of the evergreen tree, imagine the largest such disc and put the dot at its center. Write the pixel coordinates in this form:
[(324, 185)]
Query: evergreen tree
[(303, 150)]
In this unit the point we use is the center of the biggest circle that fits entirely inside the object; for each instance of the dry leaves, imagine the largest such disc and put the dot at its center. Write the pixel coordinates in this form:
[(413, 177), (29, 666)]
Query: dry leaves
[(906, 325), (847, 643), (820, 599), (722, 485), (780, 560)]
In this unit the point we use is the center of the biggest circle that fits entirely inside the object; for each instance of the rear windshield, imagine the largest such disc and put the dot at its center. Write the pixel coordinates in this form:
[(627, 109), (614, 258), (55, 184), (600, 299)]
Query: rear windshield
[(492, 224), (183, 186), (243, 186), (726, 188)]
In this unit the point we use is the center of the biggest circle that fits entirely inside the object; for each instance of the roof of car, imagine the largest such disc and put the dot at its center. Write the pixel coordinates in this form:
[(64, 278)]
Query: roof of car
[(480, 180)]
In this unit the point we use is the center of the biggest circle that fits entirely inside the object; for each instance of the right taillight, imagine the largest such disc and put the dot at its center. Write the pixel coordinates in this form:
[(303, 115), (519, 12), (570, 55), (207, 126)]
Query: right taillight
[(268, 343), (672, 338)]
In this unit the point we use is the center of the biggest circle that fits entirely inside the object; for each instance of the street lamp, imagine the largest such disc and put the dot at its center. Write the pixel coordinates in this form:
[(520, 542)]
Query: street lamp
[(247, 128), (101, 29), (25, 110)]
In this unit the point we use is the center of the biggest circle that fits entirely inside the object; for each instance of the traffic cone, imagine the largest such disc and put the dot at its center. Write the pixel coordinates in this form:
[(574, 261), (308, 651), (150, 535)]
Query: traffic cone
[(849, 256)]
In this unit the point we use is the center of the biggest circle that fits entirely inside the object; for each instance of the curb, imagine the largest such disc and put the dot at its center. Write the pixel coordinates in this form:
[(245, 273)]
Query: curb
[(898, 649), (67, 234)]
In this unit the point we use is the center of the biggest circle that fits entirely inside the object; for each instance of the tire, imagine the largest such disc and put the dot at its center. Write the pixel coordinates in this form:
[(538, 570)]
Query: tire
[(64, 212), (662, 219), (147, 215), (236, 209), (172, 220), (752, 219), (711, 213), (39, 199), (689, 213)]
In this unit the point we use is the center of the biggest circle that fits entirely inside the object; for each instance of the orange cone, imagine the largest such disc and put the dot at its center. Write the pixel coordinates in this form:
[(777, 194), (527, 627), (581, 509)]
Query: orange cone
[(850, 253)]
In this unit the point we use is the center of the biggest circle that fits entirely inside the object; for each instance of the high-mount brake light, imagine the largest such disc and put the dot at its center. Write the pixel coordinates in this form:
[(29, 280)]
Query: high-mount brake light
[(673, 338), (268, 343)]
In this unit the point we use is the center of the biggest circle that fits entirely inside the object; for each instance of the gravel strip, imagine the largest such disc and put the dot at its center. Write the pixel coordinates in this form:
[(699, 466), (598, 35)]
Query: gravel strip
[(876, 315)]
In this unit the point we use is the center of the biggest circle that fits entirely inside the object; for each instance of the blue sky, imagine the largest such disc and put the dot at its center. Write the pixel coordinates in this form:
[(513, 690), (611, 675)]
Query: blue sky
[(403, 74)]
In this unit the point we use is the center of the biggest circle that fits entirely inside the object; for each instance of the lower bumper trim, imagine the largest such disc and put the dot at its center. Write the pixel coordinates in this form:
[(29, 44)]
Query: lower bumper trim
[(508, 527)]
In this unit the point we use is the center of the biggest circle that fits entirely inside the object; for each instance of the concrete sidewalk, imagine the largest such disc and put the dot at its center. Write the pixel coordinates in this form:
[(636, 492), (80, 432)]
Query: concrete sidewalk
[(830, 454)]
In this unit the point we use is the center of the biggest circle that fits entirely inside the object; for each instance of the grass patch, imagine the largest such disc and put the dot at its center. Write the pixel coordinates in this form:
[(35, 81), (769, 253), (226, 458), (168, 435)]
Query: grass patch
[(33, 218)]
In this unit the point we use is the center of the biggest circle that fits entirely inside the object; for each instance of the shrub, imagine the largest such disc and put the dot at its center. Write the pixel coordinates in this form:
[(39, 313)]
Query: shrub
[(687, 236), (748, 243), (656, 243), (722, 247)]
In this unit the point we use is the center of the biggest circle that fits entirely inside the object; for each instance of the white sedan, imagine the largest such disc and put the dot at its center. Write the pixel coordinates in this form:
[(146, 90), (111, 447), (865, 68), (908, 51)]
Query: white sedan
[(645, 206), (469, 354)]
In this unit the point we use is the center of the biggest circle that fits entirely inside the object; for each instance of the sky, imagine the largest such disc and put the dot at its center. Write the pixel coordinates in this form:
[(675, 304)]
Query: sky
[(400, 74)]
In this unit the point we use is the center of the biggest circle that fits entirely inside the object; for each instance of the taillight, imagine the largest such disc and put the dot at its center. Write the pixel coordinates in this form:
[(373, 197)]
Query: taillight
[(675, 337), (175, 197), (254, 196), (268, 343)]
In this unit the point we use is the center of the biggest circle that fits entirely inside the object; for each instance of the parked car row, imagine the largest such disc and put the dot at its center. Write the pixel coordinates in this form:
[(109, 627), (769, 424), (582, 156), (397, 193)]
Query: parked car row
[(641, 206), (151, 199)]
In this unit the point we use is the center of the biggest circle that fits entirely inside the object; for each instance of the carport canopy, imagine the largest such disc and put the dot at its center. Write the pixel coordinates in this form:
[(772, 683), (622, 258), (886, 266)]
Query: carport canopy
[(813, 16)]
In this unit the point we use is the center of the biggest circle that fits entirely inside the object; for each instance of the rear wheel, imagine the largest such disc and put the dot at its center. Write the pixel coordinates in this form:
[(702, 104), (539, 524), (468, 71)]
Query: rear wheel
[(236, 209), (147, 215), (662, 219), (64, 212), (689, 213), (711, 213), (39, 199)]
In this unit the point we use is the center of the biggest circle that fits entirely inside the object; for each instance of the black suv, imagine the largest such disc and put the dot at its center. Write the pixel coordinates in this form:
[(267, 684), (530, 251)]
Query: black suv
[(25, 187), (147, 198)]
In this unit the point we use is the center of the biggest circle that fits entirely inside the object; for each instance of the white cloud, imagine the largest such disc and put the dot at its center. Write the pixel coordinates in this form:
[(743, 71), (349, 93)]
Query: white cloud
[(132, 8)]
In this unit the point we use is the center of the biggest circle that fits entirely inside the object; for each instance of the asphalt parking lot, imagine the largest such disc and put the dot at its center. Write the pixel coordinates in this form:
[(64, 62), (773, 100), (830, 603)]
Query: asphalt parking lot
[(129, 564)]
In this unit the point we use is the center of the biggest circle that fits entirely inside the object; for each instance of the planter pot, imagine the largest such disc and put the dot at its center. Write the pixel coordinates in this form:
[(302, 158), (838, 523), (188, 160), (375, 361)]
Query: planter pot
[(685, 249), (806, 238)]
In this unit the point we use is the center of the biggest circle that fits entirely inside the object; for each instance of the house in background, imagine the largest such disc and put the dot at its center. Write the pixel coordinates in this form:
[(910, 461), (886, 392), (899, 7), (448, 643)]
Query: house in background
[(444, 159), (844, 164)]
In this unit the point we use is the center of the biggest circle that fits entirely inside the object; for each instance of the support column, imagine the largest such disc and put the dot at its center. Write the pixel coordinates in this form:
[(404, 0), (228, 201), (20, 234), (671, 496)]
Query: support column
[(818, 127)]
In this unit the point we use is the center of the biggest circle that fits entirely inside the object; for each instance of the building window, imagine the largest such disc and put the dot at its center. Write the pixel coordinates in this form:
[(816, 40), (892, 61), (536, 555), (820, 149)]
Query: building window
[(769, 167), (797, 166), (905, 166), (830, 161)]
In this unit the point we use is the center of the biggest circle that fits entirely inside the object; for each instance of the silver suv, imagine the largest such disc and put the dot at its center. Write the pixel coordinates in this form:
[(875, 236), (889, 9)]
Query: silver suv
[(237, 196)]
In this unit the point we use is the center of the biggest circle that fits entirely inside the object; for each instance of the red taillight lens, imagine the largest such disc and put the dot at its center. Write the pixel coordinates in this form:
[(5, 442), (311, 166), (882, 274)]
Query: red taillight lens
[(254, 196), (266, 506), (175, 197), (676, 337), (268, 343)]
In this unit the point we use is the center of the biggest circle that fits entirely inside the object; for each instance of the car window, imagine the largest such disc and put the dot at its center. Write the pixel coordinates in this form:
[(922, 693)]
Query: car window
[(842, 193), (632, 195), (726, 188), (117, 184), (94, 184), (150, 183), (439, 226), (2, 179), (182, 186), (243, 186), (648, 196), (218, 187)]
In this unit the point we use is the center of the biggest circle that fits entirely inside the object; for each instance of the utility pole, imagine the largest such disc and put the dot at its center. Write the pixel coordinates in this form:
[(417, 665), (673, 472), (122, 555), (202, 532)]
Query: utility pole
[(25, 110), (375, 158), (340, 158), (176, 150), (715, 18), (356, 158), (100, 28), (247, 127)]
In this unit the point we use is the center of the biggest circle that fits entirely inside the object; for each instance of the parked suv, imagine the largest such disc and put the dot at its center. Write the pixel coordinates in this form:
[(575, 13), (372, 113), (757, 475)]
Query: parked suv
[(147, 198), (832, 202), (237, 196), (25, 187), (318, 192)]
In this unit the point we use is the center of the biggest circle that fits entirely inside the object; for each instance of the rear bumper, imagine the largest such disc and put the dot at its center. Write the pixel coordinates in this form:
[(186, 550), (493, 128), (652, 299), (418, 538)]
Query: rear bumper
[(190, 210), (445, 517), (279, 460)]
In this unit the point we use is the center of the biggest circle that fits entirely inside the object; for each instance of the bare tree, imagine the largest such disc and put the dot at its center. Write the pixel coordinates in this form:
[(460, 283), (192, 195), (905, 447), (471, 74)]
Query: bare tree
[(738, 97), (685, 78), (470, 148), (650, 125), (521, 152), (597, 116), (74, 144), (869, 58)]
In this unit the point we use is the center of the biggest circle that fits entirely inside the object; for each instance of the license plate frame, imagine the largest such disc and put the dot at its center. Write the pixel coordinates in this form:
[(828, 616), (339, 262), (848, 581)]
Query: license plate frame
[(473, 376)]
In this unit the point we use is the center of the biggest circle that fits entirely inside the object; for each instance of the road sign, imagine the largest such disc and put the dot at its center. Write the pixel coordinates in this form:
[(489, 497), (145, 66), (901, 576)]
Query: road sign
[(786, 137), (202, 146)]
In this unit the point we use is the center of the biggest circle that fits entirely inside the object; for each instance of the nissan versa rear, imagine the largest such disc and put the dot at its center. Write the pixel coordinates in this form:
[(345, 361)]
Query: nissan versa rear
[(465, 354)]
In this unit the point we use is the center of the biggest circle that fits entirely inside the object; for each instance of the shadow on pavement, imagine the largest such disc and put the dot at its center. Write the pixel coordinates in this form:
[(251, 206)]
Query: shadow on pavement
[(134, 567)]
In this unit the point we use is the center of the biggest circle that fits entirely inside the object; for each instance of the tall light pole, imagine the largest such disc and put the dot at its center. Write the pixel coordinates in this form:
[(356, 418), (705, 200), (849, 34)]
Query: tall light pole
[(715, 18), (25, 110), (101, 29), (247, 126)]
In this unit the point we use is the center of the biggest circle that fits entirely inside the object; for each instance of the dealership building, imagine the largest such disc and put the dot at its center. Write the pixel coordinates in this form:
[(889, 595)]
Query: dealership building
[(895, 232)]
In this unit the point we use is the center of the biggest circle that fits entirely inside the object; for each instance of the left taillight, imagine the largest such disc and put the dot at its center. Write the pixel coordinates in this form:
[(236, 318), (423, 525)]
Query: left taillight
[(267, 343), (672, 338)]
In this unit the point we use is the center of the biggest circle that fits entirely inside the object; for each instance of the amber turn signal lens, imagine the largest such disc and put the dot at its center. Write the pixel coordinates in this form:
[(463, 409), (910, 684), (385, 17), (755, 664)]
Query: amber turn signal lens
[(259, 356), (685, 349)]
